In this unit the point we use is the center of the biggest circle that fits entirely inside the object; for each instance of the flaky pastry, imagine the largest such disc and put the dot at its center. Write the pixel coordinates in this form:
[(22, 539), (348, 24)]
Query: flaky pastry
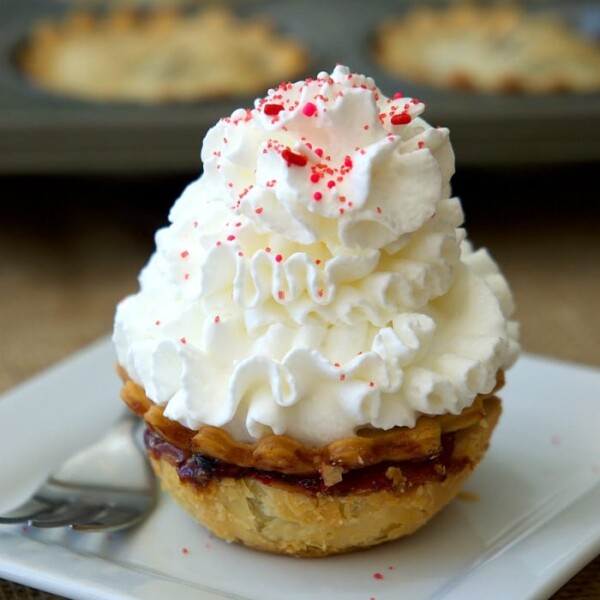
[(279, 496)]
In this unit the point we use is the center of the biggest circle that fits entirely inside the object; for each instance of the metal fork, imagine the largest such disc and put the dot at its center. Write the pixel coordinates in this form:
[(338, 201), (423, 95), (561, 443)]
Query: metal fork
[(106, 486)]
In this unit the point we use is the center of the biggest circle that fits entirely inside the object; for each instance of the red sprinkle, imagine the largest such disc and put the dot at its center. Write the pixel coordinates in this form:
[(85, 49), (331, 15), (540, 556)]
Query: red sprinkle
[(401, 119), (371, 384), (398, 95), (319, 152), (343, 377), (378, 575), (320, 293), (348, 162), (157, 323), (293, 158), (230, 238), (315, 177), (272, 109), (421, 145), (278, 258), (184, 254), (267, 249), (317, 196), (183, 340), (309, 109), (259, 210), (331, 184), (281, 294), (378, 209), (317, 261), (217, 319), (185, 550)]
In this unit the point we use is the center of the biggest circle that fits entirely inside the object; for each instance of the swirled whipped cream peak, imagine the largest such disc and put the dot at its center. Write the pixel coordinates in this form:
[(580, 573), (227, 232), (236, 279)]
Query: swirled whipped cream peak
[(315, 279)]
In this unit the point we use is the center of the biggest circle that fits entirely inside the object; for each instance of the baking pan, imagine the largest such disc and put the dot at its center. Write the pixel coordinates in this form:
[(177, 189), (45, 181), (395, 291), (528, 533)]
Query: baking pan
[(42, 132)]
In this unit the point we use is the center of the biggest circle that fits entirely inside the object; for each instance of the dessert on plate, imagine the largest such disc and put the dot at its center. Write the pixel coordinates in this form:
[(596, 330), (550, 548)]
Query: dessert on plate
[(159, 56), (493, 48), (315, 347)]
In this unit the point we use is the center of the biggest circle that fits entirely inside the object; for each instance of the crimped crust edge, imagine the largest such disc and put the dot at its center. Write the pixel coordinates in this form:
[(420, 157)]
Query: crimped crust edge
[(286, 455)]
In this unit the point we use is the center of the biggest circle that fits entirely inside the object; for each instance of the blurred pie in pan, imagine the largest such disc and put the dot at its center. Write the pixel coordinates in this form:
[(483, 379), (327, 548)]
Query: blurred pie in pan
[(159, 56), (489, 49)]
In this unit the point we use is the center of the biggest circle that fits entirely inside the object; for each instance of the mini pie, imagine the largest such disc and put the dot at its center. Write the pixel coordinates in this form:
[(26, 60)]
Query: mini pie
[(280, 496), (315, 347), (159, 56), (488, 48)]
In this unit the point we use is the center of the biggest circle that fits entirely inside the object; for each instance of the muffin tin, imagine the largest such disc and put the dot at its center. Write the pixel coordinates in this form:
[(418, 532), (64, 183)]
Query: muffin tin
[(41, 132)]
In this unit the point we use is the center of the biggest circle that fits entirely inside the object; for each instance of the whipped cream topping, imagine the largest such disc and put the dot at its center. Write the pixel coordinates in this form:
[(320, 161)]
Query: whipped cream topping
[(315, 279)]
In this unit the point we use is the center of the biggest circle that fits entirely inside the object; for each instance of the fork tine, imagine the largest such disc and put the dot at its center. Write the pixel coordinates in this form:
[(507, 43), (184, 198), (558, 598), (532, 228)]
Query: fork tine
[(106, 486), (112, 518), (29, 510), (66, 514)]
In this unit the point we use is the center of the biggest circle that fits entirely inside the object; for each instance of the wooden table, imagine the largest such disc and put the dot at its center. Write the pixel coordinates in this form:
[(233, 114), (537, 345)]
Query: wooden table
[(71, 248)]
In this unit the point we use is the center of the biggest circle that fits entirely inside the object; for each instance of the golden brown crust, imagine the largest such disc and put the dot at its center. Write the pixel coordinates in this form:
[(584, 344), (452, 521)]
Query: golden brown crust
[(286, 455), (282, 520), (495, 48), (159, 55)]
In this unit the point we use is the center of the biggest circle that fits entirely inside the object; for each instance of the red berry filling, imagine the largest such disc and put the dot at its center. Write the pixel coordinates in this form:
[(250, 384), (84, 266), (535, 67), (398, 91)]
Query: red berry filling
[(200, 470)]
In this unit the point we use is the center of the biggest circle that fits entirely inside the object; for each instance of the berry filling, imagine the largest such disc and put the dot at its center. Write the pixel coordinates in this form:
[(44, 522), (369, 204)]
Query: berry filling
[(201, 470)]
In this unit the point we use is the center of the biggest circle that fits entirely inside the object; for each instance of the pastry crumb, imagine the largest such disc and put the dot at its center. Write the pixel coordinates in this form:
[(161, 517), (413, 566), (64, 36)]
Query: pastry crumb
[(395, 475), (331, 475)]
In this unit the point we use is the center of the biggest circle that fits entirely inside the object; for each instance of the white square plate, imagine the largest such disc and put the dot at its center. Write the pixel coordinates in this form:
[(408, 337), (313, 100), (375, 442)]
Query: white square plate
[(531, 520)]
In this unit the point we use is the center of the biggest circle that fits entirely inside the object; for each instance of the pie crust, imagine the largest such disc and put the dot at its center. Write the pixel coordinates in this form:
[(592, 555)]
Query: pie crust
[(284, 520), (280, 515), (286, 455)]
